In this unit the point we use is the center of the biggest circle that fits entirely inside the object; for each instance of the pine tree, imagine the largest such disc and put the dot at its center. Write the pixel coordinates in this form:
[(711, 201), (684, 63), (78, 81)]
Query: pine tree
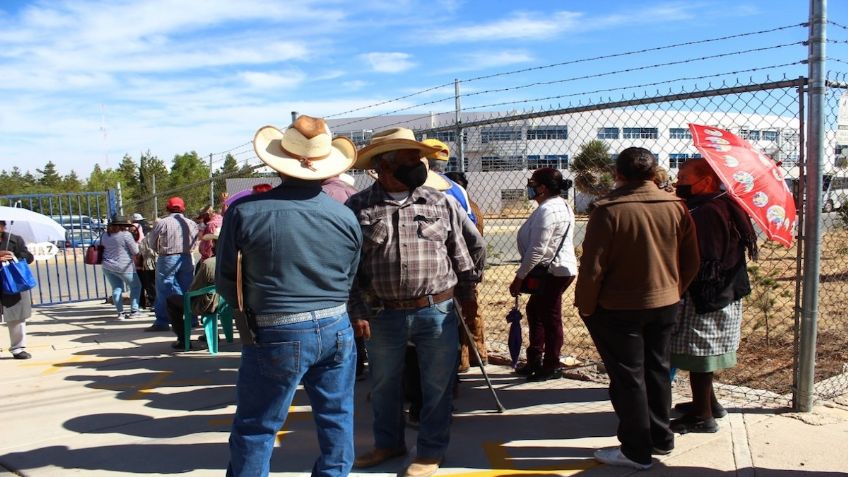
[(71, 182), (49, 177), (593, 169)]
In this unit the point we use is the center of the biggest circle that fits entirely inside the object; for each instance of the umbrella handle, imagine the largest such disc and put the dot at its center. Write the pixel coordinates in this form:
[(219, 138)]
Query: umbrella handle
[(516, 301)]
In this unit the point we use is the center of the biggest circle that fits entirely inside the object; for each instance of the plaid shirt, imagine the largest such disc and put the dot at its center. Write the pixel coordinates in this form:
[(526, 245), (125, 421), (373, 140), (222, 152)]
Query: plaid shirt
[(409, 250), (173, 234)]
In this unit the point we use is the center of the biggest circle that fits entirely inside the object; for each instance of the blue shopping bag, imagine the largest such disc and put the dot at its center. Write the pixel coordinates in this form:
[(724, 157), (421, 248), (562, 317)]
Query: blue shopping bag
[(16, 277)]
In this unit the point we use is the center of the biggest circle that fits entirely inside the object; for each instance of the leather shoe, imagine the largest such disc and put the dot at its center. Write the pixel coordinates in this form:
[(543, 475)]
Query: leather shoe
[(158, 328), (377, 456), (22, 355), (422, 467)]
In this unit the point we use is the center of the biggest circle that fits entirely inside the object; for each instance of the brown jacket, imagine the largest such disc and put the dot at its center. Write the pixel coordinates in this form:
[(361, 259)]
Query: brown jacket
[(640, 251)]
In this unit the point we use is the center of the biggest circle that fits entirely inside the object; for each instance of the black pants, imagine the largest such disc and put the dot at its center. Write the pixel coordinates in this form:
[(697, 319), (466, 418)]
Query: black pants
[(176, 309), (635, 348), (148, 288)]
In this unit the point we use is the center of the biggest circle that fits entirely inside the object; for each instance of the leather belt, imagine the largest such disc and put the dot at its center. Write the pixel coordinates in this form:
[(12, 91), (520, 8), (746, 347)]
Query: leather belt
[(277, 319), (420, 302)]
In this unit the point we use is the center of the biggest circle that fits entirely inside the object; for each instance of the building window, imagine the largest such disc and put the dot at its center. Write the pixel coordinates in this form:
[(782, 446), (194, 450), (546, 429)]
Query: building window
[(453, 164), (547, 132), (640, 133), (608, 133), (680, 133), (770, 135), (675, 160), (554, 161), (360, 138), (750, 134), (500, 134), (497, 163), (444, 136)]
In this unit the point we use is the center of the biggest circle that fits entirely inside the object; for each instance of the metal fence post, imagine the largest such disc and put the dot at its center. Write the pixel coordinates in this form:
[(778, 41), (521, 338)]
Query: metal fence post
[(211, 184), (460, 147), (804, 394), (155, 199)]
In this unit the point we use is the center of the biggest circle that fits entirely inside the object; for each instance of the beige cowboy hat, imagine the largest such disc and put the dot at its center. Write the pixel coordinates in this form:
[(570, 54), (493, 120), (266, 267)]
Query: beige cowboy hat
[(305, 150), (393, 139)]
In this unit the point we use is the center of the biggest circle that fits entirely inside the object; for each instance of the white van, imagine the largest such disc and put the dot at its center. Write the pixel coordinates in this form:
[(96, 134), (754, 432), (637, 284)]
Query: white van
[(834, 190)]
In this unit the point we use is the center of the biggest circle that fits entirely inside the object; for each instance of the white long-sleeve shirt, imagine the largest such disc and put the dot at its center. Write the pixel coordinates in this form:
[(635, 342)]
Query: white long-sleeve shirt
[(540, 236)]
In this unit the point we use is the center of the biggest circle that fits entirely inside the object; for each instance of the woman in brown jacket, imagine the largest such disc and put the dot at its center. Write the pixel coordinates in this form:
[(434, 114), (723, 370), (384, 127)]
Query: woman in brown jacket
[(640, 253)]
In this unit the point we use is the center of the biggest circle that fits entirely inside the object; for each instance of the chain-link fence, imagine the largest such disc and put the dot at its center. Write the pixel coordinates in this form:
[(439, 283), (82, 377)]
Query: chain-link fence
[(499, 151)]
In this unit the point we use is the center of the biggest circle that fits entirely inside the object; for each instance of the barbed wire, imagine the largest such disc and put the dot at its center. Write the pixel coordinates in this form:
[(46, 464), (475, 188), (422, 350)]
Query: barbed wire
[(837, 24), (571, 62), (635, 52), (644, 85), (637, 68), (577, 78)]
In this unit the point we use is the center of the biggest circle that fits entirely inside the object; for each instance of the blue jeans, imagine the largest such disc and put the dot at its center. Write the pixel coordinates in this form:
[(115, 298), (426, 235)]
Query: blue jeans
[(322, 354), (119, 283), (174, 274), (434, 332)]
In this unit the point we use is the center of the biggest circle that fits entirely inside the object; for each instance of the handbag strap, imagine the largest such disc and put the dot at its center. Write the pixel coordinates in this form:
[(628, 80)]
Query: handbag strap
[(561, 241)]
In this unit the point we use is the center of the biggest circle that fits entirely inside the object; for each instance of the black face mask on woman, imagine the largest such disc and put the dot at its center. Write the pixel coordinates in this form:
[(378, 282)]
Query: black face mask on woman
[(412, 177), (684, 191)]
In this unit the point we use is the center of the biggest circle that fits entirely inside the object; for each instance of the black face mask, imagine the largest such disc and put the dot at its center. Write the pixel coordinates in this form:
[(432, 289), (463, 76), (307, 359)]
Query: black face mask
[(684, 191), (412, 177)]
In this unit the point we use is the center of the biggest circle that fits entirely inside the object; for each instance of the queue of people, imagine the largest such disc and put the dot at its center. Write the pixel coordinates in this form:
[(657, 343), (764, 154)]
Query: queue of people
[(658, 285)]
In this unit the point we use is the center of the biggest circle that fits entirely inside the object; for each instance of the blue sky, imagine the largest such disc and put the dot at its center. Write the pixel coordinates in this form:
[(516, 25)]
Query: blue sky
[(86, 82)]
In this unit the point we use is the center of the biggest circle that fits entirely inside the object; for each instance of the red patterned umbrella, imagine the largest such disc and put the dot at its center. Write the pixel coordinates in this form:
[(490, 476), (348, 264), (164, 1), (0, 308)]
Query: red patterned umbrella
[(753, 180)]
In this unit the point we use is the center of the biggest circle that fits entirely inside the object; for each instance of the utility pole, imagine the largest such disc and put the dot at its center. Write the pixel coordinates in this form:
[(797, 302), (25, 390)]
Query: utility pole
[(804, 392)]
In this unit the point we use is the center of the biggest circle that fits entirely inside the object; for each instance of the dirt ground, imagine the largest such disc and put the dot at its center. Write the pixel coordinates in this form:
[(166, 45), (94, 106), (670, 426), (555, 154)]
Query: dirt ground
[(766, 352)]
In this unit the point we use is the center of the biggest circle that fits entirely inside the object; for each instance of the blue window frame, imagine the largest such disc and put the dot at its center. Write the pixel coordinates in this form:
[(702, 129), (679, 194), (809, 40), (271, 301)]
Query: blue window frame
[(770, 135), (679, 133), (608, 133), (547, 132), (640, 133), (500, 134)]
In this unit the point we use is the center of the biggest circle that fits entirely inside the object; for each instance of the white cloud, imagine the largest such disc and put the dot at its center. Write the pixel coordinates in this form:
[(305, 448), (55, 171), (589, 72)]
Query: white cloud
[(483, 60), (517, 26), (524, 25), (261, 80), (388, 62)]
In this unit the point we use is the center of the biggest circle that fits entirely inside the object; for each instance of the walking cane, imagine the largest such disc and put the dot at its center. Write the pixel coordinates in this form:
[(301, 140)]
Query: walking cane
[(473, 346)]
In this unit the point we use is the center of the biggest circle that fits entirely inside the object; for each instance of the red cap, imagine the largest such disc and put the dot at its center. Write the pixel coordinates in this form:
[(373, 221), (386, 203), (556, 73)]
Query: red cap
[(176, 203)]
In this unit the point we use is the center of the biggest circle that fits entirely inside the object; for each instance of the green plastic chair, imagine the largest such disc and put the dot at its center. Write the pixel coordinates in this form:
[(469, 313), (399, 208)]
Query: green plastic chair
[(222, 313)]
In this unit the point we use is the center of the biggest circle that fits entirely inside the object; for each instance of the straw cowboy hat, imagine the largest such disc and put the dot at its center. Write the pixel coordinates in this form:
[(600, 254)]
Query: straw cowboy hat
[(305, 150), (396, 139), (393, 139)]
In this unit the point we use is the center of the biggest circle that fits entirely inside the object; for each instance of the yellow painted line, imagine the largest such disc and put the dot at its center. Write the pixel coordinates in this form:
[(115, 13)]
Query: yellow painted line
[(151, 384), (56, 367)]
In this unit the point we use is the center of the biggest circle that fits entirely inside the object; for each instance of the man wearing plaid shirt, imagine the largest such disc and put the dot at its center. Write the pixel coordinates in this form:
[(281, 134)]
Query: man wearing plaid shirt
[(413, 258)]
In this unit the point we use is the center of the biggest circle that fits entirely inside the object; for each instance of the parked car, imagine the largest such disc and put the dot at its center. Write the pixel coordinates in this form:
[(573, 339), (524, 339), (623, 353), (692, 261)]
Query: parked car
[(76, 236)]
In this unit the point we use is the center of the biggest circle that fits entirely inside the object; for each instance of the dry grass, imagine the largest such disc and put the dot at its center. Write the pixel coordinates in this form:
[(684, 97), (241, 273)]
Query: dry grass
[(762, 365)]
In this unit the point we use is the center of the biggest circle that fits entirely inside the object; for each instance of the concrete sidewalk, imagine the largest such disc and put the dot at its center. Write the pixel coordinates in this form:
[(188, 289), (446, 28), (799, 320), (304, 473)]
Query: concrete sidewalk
[(102, 397)]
